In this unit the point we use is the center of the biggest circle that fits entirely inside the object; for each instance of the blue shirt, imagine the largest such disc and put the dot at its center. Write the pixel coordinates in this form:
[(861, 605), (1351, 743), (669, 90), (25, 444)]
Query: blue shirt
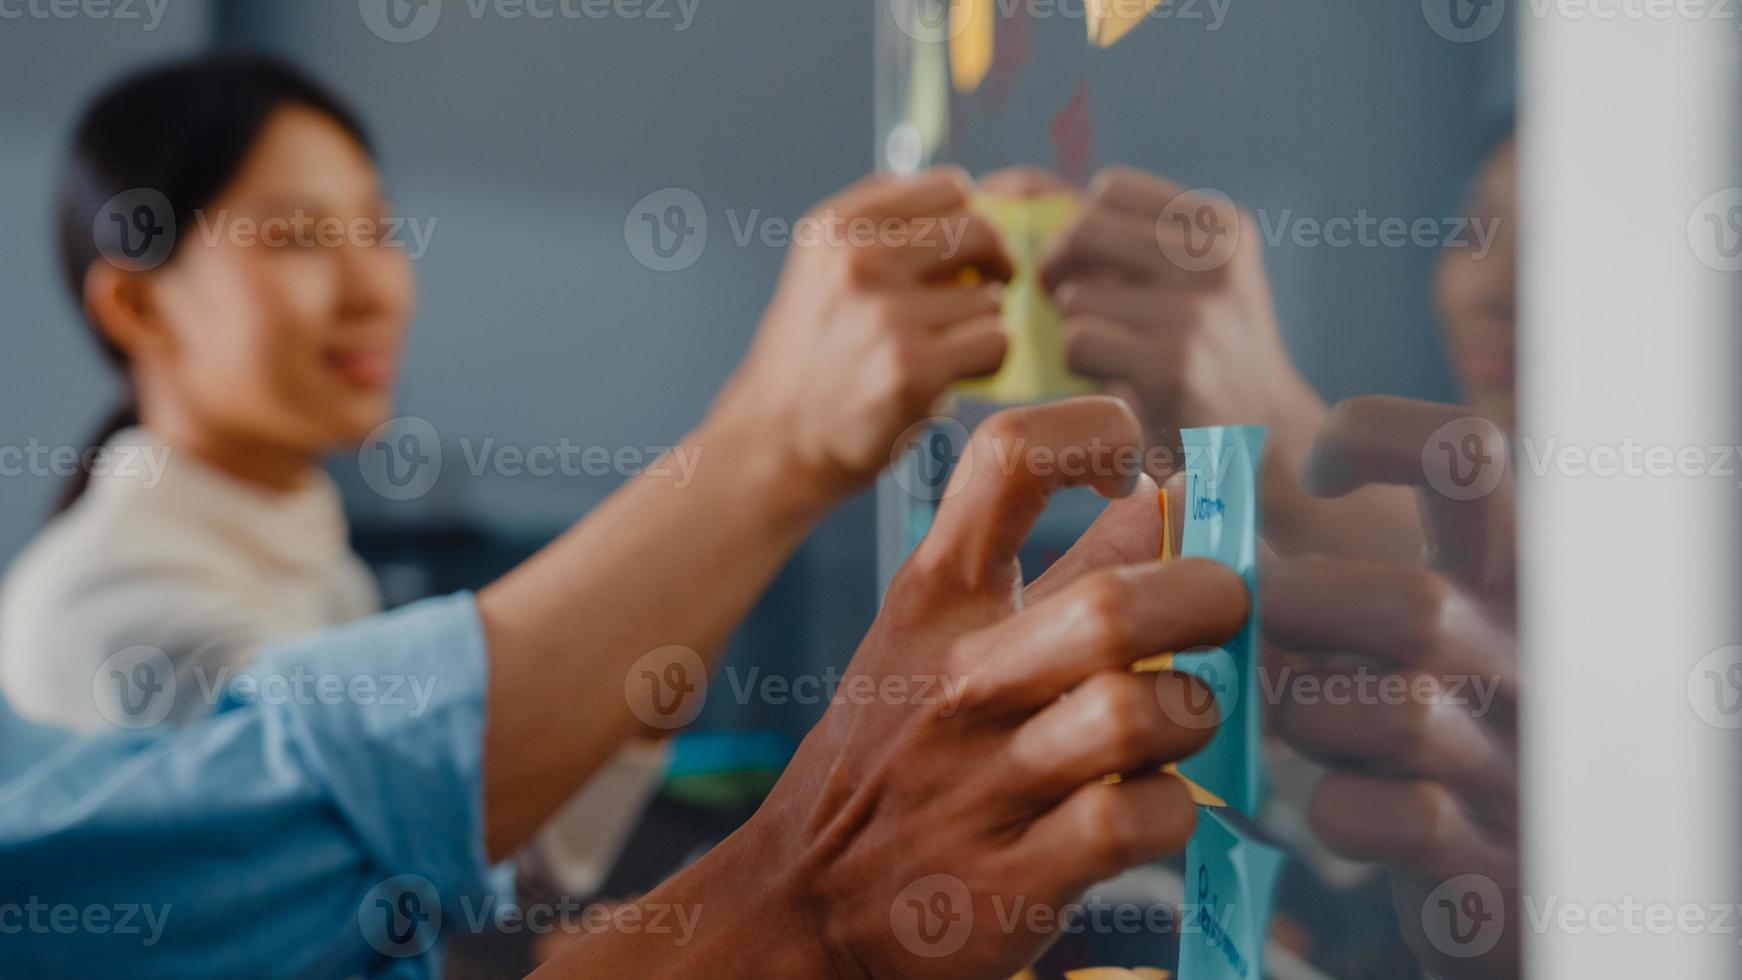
[(324, 821)]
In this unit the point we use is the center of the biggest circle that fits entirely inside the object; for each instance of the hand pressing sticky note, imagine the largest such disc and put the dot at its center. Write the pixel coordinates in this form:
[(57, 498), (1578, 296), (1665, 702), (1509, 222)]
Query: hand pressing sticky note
[(972, 37), (1222, 510), (1034, 368), (1110, 20)]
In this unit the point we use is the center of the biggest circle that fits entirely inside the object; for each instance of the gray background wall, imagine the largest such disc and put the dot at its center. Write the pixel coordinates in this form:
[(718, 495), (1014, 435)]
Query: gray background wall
[(529, 141)]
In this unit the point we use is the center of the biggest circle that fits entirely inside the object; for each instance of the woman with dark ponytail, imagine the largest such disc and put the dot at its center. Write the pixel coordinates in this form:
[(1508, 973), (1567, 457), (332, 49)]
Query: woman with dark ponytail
[(194, 218), (209, 527)]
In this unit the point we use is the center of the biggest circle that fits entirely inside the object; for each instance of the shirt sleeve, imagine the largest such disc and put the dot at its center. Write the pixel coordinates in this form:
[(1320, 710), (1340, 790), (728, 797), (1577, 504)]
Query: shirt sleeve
[(327, 820)]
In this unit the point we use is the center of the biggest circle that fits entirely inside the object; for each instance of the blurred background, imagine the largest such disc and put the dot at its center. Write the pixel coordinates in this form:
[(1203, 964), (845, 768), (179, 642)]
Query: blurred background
[(527, 147), (524, 144)]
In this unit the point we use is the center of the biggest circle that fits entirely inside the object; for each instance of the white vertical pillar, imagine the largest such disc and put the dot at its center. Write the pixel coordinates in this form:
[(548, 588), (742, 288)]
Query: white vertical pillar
[(1629, 337)]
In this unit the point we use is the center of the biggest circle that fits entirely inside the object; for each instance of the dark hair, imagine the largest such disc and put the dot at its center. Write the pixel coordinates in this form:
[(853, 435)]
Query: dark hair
[(174, 135)]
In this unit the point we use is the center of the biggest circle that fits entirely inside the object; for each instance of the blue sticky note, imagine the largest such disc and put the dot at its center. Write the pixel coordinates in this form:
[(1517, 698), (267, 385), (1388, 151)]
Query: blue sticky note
[(1222, 512), (1230, 887)]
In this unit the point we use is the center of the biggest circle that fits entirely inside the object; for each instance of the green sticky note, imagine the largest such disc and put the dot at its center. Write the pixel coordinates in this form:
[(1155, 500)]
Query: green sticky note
[(1230, 888), (1222, 510)]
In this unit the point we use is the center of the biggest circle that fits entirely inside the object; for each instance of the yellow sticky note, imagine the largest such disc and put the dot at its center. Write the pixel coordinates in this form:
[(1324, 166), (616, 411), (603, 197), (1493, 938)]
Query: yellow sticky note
[(1110, 20), (971, 42), (1034, 368), (1118, 973)]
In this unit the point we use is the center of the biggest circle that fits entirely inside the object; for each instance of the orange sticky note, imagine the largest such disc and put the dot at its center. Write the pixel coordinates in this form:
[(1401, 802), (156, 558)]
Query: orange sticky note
[(1110, 20), (972, 36)]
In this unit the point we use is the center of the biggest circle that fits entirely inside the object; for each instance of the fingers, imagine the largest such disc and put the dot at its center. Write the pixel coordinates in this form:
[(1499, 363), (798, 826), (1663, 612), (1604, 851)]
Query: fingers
[(972, 349), (936, 248), (1099, 243), (1400, 615), (1024, 181), (1416, 824), (1133, 191), (936, 191), (1423, 734), (1457, 464), (934, 309), (924, 225), (1107, 350), (1013, 463), (1127, 532), (1115, 722), (1144, 309), (1104, 622), (1105, 828)]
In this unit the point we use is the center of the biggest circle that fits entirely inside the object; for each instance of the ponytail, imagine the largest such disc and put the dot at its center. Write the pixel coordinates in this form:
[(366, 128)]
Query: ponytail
[(124, 416)]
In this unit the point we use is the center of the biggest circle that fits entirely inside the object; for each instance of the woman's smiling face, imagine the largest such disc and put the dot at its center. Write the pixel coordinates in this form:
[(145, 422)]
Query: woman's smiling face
[(283, 313)]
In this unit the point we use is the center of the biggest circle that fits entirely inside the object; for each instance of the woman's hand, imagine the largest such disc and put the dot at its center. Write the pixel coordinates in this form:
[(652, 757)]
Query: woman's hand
[(871, 324), (1165, 300), (913, 820)]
